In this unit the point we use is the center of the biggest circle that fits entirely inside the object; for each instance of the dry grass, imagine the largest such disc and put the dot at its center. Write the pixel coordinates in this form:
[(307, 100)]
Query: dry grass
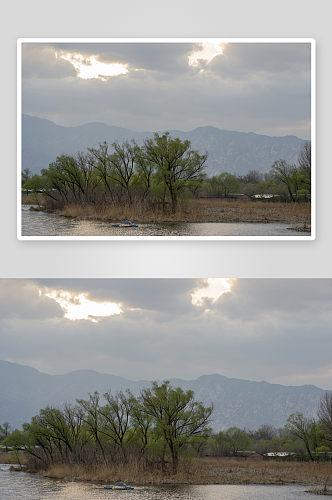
[(5, 458), (320, 491), (205, 471), (33, 199), (190, 473), (269, 472), (258, 211), (203, 210)]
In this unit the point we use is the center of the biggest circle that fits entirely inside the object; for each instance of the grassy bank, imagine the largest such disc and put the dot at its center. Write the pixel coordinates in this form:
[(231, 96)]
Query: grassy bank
[(5, 458), (202, 210), (204, 471)]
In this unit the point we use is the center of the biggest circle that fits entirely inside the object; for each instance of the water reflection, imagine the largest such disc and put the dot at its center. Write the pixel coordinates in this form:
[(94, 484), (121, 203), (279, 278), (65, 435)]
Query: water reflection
[(44, 224), (20, 485)]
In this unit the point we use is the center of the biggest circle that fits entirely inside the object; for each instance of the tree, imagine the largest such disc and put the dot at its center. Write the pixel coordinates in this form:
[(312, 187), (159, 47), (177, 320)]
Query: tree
[(304, 159), (92, 417), (283, 172), (175, 162), (25, 176), (117, 415), (123, 164), (5, 430), (325, 415), (36, 185), (253, 177), (301, 427), (231, 441), (102, 164), (176, 416), (228, 184)]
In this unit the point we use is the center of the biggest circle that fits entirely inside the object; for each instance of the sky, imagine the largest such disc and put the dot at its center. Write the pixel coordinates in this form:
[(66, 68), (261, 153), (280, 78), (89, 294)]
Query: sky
[(148, 86), (278, 330)]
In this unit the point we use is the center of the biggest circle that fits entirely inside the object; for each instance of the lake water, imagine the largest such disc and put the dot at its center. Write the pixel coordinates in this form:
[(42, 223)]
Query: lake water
[(45, 224), (23, 486)]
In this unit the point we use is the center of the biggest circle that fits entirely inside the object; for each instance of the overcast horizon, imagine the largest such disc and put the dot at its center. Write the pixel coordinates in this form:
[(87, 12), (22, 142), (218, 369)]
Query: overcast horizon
[(263, 88), (277, 330)]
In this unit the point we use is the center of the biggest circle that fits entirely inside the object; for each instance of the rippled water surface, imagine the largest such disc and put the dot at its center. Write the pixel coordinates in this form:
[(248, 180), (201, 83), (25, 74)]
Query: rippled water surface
[(22, 486), (45, 224)]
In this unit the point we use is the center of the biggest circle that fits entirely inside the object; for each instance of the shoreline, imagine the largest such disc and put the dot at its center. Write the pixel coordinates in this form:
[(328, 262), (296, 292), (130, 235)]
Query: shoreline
[(202, 472), (215, 211)]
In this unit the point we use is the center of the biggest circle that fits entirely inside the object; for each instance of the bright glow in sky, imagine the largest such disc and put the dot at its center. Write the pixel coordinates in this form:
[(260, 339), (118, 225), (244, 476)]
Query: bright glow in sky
[(91, 68), (210, 50), (79, 307), (215, 288)]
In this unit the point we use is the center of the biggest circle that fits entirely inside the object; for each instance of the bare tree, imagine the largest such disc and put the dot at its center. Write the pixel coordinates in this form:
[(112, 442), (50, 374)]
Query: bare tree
[(304, 159), (325, 414)]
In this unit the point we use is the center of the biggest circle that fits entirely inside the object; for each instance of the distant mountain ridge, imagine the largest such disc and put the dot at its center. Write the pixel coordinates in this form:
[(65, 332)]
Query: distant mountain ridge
[(240, 403), (233, 152)]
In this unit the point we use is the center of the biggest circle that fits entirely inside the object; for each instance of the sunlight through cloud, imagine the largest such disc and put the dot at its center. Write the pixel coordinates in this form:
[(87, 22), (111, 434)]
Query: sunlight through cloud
[(91, 68), (209, 51), (214, 289), (79, 307)]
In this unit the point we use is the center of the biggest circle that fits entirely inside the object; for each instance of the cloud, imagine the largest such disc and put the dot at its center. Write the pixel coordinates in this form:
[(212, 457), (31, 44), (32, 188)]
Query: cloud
[(272, 329), (250, 87), (40, 61), (154, 295), (20, 300)]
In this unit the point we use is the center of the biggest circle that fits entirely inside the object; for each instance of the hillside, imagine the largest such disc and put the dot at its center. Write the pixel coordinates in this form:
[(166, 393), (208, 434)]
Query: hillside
[(234, 152), (241, 403)]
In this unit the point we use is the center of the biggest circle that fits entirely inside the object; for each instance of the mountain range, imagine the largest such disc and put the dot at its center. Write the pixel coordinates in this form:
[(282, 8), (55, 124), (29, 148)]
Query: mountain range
[(240, 403), (233, 152)]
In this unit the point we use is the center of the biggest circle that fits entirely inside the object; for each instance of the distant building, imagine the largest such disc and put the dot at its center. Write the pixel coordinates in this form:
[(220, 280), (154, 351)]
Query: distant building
[(279, 454), (266, 196)]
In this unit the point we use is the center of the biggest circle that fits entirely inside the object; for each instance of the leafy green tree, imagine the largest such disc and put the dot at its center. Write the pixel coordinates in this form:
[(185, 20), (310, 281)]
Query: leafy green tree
[(38, 184), (123, 164), (117, 413), (101, 164), (175, 162), (176, 416), (141, 423), (284, 173), (302, 427), (25, 176), (5, 430), (237, 440), (231, 441), (228, 184), (20, 440), (92, 417)]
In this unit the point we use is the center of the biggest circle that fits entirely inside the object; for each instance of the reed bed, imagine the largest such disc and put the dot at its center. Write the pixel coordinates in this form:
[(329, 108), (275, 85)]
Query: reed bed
[(255, 211), (197, 211), (203, 471), (325, 490), (33, 199), (5, 458), (269, 472), (190, 472)]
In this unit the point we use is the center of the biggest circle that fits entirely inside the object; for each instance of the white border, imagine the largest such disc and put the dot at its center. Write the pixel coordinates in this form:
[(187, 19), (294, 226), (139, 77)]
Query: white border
[(312, 42)]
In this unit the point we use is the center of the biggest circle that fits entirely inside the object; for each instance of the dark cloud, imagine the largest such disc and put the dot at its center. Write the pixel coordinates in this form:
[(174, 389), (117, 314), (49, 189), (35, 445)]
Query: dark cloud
[(19, 299), (39, 61), (170, 58), (163, 296), (272, 329), (264, 88), (247, 60)]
